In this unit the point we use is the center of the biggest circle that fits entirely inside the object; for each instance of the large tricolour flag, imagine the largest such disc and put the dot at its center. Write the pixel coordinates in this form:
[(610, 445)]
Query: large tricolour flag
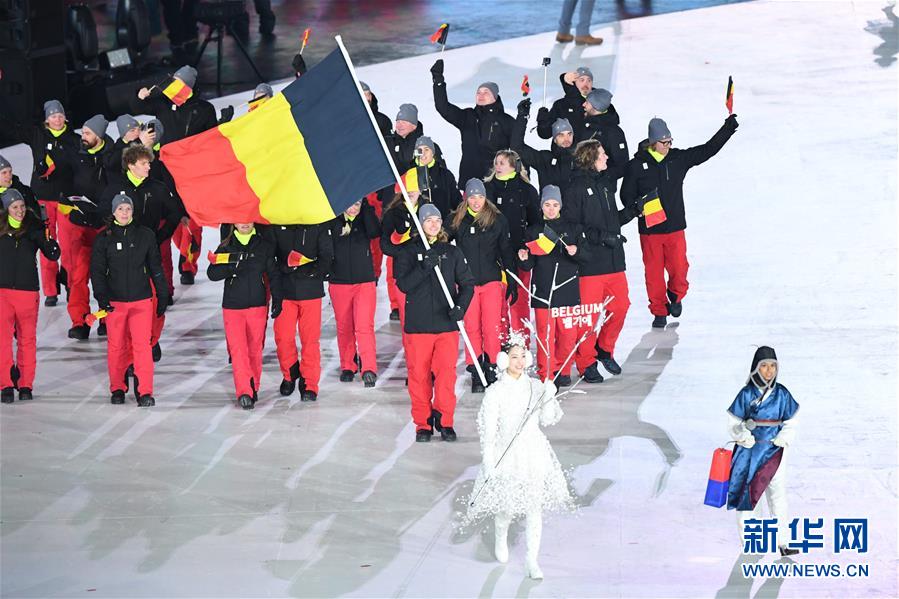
[(303, 157)]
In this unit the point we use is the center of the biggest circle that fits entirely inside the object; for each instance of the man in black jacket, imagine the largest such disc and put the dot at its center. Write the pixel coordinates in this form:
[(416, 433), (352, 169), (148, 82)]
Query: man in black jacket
[(194, 116), (305, 255), (554, 166), (657, 166), (485, 129), (576, 85), (601, 123)]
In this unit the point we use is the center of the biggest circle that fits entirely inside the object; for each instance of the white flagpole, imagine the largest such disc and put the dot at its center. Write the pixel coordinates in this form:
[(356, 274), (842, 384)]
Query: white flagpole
[(410, 207)]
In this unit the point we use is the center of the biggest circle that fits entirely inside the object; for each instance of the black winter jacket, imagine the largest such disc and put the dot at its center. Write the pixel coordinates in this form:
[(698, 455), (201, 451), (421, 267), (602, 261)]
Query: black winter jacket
[(590, 203), (604, 128), (313, 241), (18, 263), (645, 174), (554, 166), (123, 262), (62, 151), (245, 273), (487, 251), (519, 203), (352, 247), (442, 190), (154, 206), (484, 130), (194, 116), (90, 176), (570, 106), (542, 267), (427, 310)]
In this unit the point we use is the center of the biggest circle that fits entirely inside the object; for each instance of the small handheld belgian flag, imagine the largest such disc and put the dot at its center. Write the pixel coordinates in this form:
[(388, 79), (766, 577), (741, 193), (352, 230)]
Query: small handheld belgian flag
[(729, 96), (177, 91), (305, 39), (653, 211), (401, 237), (439, 36), (295, 258), (525, 86), (93, 317), (218, 258)]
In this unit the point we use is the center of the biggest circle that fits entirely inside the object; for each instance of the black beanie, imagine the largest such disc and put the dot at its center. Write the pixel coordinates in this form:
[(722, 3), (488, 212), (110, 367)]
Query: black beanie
[(762, 353)]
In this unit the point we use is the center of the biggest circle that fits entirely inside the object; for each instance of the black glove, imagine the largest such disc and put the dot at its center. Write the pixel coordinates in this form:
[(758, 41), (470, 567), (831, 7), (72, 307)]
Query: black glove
[(731, 123), (512, 293), (524, 108), (612, 241), (105, 305), (299, 65), (162, 303), (543, 114), (276, 310), (437, 71), (227, 114), (431, 259), (456, 313)]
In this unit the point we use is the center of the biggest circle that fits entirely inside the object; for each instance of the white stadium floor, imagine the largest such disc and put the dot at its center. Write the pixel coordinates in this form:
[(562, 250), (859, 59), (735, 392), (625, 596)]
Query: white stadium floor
[(792, 242)]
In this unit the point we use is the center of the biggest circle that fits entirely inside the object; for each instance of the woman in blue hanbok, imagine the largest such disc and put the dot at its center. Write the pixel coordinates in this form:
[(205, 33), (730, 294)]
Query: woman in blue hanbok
[(762, 422)]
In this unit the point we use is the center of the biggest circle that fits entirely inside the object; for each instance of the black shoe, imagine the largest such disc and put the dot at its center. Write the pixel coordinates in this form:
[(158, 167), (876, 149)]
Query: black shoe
[(308, 396), (608, 362), (448, 434), (347, 376), (434, 420), (564, 380), (476, 385), (101, 329), (25, 394), (118, 397), (786, 551), (591, 375), (369, 378), (79, 332), (287, 387), (423, 435), (7, 395), (51, 300), (145, 401), (659, 322), (246, 402), (157, 353), (674, 307), (395, 314), (187, 278)]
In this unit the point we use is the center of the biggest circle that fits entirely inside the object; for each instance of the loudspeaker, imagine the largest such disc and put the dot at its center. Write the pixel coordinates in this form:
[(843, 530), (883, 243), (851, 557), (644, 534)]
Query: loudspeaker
[(29, 80), (30, 25)]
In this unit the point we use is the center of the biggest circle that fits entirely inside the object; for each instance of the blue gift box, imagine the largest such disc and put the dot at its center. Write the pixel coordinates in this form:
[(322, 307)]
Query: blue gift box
[(716, 493)]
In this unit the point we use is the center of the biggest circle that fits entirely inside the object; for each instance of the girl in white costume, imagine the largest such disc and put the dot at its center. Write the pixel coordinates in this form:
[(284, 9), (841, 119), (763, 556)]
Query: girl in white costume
[(528, 479)]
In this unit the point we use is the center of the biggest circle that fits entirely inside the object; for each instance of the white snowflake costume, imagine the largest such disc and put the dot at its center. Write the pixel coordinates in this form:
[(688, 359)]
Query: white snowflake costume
[(528, 480)]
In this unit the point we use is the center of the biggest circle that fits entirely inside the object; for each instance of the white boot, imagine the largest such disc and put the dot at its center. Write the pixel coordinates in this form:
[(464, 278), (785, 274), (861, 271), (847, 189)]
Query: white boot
[(533, 532), (501, 531)]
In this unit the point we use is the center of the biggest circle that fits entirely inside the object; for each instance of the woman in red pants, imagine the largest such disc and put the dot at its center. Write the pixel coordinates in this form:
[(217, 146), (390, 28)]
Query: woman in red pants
[(243, 260), (431, 326), (21, 235), (124, 260), (353, 293), (482, 233)]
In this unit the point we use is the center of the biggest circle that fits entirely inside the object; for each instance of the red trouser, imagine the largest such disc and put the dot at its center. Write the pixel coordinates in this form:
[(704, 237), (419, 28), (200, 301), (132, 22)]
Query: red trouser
[(664, 252), (428, 353), (165, 252), (354, 313), (561, 342), (245, 332), (80, 242), (304, 316), (18, 316), (65, 231), (483, 320), (128, 330), (196, 233), (594, 290), (49, 268), (393, 292), (521, 309)]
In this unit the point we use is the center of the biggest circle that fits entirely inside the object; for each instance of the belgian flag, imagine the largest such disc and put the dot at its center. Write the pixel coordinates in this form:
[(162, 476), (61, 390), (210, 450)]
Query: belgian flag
[(729, 95), (177, 91), (303, 157), (439, 36)]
